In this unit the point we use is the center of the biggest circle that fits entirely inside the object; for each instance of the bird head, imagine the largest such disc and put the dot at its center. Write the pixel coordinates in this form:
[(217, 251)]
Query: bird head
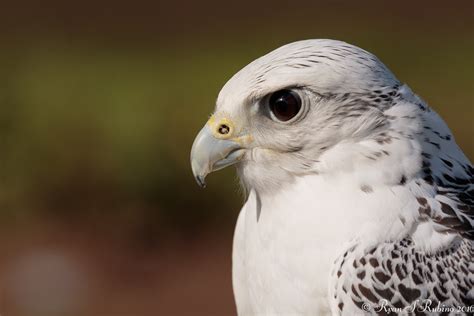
[(276, 117)]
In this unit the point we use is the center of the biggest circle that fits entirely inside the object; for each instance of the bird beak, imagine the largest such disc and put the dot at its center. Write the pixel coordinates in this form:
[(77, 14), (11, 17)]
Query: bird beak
[(211, 153)]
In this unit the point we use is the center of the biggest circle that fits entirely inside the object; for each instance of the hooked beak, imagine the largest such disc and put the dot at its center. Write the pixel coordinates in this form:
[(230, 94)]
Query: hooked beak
[(210, 153)]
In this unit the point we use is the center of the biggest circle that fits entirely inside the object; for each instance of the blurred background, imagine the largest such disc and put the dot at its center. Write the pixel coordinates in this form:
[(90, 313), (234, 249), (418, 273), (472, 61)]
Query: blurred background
[(99, 104)]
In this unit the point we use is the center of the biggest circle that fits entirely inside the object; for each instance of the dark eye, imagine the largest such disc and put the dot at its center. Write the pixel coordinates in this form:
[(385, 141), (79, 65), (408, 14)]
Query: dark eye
[(285, 104)]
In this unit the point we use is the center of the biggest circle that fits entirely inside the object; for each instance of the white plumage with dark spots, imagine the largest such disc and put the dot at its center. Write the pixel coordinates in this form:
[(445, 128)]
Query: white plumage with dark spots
[(358, 196)]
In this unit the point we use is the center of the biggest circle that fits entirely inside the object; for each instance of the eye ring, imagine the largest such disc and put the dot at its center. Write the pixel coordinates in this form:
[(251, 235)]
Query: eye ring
[(284, 105)]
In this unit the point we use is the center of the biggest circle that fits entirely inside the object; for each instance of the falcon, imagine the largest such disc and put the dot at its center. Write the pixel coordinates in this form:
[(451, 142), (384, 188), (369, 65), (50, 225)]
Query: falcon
[(359, 201)]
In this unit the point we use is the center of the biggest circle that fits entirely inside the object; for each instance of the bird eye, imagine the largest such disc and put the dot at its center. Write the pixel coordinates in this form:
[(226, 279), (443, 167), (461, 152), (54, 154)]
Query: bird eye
[(284, 104)]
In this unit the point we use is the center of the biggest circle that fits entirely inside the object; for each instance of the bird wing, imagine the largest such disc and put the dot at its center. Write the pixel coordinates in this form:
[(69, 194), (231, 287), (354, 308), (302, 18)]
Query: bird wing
[(399, 275), (449, 175), (432, 266)]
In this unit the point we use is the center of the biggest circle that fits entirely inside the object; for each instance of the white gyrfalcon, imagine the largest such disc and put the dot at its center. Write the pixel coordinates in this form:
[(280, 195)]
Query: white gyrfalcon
[(358, 197)]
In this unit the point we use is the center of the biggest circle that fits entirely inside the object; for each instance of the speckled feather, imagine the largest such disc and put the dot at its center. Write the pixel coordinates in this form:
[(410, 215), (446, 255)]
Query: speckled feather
[(400, 273)]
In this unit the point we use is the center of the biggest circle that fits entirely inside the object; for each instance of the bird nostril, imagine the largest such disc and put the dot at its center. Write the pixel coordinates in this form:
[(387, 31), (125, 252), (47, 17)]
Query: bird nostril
[(223, 129)]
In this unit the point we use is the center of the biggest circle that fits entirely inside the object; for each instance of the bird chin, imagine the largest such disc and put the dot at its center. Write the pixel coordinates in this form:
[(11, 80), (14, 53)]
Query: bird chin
[(263, 177)]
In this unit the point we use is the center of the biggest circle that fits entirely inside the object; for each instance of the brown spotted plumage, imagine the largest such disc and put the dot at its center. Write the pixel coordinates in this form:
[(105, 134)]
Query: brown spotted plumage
[(402, 273)]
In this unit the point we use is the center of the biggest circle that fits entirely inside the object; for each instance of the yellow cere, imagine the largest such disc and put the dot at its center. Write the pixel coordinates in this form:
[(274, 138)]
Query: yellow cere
[(215, 124)]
